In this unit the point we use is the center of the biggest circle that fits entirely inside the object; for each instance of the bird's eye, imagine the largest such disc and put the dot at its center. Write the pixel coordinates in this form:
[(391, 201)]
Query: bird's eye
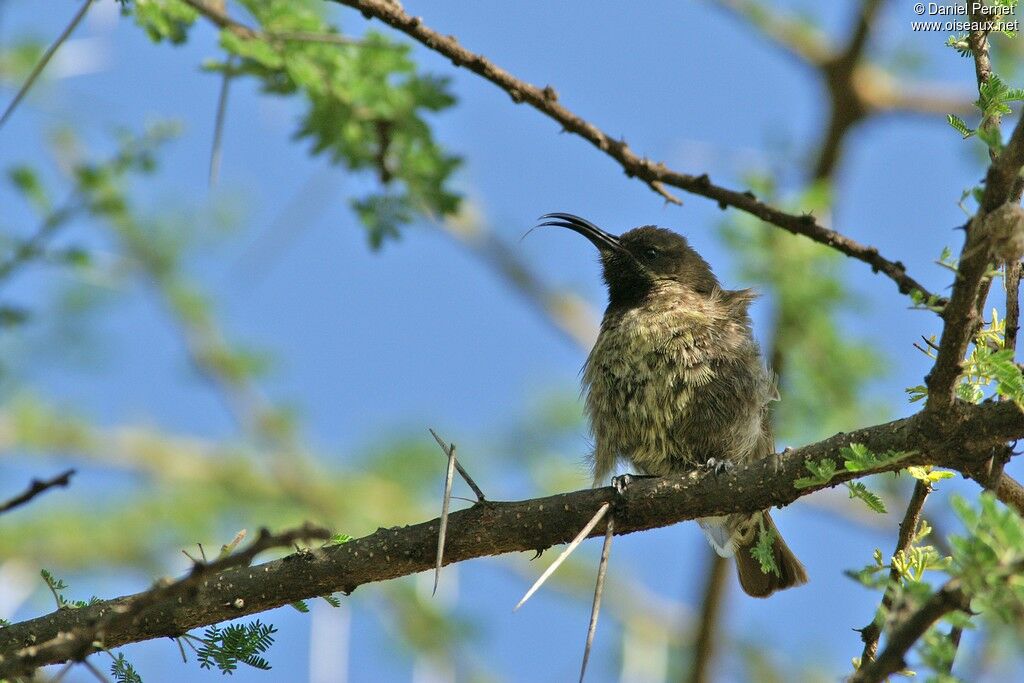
[(651, 252)]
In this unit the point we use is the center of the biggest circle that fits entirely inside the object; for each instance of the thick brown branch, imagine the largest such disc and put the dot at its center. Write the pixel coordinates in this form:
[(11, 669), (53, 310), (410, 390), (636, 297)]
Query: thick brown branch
[(962, 311), (491, 528), (908, 527), (655, 174), (36, 487)]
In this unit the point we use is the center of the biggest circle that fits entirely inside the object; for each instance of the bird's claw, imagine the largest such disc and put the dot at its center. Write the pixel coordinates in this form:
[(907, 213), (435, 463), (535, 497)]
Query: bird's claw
[(718, 466), (623, 481)]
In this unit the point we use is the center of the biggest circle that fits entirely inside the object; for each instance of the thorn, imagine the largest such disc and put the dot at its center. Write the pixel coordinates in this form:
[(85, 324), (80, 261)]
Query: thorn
[(218, 125), (449, 479), (584, 532), (462, 470), (595, 609)]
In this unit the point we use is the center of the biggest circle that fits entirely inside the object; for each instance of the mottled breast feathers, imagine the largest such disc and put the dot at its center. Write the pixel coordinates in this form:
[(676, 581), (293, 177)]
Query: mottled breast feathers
[(677, 380)]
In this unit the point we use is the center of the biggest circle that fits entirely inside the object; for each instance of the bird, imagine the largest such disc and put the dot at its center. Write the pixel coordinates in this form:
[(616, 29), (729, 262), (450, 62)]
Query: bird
[(675, 382)]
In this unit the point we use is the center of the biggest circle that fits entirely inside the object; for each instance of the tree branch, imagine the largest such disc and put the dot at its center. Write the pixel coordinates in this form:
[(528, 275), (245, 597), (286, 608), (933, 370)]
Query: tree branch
[(491, 528), (655, 174), (908, 527), (36, 487), (947, 599), (962, 312), (794, 37), (715, 588)]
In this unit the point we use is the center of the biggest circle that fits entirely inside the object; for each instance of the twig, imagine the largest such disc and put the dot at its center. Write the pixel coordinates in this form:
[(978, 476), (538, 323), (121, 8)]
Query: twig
[(36, 487), (955, 633), (655, 174), (568, 313), (1011, 282), (458, 466), (711, 610), (449, 479), (88, 635), (595, 607), (962, 312), (947, 599), (908, 527), (47, 56), (583, 534), (795, 38)]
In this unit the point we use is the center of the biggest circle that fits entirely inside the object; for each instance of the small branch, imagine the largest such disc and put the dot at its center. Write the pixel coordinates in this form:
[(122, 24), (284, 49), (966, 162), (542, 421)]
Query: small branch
[(47, 56), (448, 450), (908, 527), (1011, 282), (962, 312), (711, 609), (794, 37), (655, 174), (947, 599), (93, 632), (36, 487)]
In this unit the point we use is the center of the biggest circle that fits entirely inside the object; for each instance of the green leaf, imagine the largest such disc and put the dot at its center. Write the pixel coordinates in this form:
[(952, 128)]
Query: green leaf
[(338, 539), (959, 125), (764, 551), (164, 19), (821, 473), (301, 606), (870, 498), (928, 474), (122, 670)]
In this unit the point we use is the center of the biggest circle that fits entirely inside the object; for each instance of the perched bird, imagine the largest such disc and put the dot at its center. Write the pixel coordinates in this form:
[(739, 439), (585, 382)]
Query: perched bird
[(675, 381)]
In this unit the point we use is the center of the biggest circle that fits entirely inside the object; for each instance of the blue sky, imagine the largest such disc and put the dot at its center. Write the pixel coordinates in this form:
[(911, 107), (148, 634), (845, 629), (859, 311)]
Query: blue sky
[(422, 333)]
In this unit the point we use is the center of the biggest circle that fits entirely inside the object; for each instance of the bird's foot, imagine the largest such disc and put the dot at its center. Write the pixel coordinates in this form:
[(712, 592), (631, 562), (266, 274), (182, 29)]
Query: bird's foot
[(718, 466), (622, 481)]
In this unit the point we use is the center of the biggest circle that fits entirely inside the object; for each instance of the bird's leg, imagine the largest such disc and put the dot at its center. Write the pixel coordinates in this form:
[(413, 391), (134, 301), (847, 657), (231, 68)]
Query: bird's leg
[(622, 481)]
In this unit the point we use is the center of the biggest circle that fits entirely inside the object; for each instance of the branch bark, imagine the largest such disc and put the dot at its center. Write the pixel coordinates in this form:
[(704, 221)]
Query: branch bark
[(491, 528)]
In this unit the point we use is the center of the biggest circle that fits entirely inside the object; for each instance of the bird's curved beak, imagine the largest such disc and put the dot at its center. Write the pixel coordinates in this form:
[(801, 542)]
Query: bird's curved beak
[(604, 241)]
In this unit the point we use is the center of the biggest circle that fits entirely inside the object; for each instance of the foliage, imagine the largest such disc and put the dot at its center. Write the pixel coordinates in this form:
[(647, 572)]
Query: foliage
[(225, 648), (122, 670), (764, 551), (366, 103)]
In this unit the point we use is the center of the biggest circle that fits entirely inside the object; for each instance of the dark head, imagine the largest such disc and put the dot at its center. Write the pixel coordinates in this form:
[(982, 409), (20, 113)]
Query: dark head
[(634, 262)]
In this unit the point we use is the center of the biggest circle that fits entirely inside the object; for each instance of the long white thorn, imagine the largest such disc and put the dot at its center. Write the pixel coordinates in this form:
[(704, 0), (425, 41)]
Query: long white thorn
[(449, 479), (565, 553), (595, 609)]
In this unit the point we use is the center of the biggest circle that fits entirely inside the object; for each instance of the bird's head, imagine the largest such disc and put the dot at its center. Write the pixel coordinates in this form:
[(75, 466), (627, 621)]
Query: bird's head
[(635, 261)]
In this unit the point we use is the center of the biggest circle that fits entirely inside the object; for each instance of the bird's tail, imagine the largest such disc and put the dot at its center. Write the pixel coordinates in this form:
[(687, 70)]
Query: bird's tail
[(737, 535)]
